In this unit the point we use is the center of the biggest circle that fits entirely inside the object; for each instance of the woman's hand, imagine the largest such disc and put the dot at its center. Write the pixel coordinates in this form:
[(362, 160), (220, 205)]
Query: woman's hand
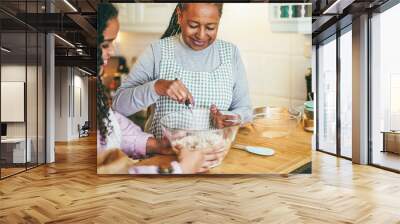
[(174, 89), (191, 161), (221, 121)]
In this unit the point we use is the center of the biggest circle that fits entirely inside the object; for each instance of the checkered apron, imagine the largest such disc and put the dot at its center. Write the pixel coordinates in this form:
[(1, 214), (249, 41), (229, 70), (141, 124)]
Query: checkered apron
[(207, 88)]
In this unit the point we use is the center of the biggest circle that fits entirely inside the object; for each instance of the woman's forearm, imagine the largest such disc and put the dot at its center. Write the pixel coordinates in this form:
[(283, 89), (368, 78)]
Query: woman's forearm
[(131, 99), (137, 91)]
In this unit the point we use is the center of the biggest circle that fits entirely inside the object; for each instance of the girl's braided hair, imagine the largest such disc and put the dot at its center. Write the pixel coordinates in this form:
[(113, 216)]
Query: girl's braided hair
[(105, 13)]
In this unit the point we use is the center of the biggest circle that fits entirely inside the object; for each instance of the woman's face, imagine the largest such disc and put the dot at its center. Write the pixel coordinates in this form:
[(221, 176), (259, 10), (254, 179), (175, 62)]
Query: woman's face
[(110, 33), (199, 24)]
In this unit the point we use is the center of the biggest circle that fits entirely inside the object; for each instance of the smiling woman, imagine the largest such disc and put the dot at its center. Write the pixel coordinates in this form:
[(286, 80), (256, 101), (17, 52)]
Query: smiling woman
[(188, 64)]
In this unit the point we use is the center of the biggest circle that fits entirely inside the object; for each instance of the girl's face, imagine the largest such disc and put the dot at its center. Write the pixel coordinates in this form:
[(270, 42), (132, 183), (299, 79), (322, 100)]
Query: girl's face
[(199, 24), (110, 33)]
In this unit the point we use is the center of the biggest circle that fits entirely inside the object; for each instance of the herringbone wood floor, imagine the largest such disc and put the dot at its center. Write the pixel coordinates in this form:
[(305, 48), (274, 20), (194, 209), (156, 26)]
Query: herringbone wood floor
[(69, 191)]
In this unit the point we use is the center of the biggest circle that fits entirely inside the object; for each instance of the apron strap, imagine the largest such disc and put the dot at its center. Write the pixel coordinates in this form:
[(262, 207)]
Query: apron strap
[(225, 51)]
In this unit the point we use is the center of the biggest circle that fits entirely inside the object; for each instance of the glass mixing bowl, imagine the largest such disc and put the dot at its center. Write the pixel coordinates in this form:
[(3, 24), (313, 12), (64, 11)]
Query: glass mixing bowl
[(275, 122), (194, 130)]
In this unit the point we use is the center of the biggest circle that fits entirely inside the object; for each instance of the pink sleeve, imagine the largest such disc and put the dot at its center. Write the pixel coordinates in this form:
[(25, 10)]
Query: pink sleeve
[(100, 145), (154, 169), (133, 139)]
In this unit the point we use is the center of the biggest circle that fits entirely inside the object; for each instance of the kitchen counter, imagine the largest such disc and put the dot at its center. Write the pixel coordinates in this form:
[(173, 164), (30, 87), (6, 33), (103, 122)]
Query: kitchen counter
[(292, 154)]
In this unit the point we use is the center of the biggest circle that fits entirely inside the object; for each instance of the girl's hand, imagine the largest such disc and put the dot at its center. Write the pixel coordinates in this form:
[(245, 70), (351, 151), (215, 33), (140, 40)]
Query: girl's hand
[(214, 155), (191, 161), (174, 89), (162, 146)]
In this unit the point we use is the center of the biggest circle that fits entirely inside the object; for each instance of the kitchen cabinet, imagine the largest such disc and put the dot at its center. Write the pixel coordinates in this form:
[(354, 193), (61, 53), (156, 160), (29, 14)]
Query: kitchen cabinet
[(145, 18)]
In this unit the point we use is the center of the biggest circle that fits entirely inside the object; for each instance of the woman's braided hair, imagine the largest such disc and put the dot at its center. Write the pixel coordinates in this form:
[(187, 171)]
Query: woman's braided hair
[(105, 13), (173, 27)]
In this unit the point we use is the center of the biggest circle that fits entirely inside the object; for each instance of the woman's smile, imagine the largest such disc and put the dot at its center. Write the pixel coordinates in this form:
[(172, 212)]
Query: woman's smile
[(198, 43)]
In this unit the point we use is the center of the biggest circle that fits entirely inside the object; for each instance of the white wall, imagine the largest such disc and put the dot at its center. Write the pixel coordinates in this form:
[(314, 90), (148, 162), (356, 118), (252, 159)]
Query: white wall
[(17, 73), (82, 83), (70, 83), (33, 127), (80, 103), (61, 103), (276, 63), (14, 73), (130, 44)]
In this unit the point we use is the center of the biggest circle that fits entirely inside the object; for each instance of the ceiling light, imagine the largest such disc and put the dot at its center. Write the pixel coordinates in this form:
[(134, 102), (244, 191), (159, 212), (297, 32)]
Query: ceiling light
[(84, 71), (79, 51), (70, 5), (337, 7), (65, 41), (5, 49)]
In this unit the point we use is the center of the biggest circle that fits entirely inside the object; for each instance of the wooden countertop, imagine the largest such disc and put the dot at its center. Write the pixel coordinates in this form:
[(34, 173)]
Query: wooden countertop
[(291, 153)]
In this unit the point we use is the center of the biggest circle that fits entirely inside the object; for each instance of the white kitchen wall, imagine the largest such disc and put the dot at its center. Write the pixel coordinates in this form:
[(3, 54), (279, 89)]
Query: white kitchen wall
[(132, 44), (276, 63)]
